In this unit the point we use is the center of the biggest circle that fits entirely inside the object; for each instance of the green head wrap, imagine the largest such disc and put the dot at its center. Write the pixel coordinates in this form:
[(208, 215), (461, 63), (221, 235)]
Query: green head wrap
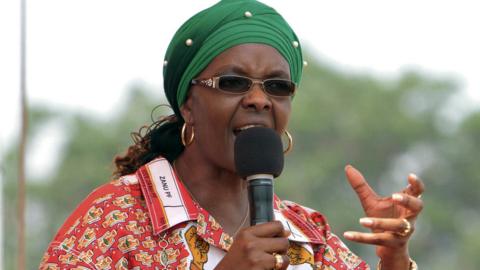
[(218, 28), (206, 35)]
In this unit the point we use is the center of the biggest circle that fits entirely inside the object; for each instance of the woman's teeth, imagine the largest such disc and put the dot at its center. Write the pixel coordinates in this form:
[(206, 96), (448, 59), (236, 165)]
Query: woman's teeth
[(240, 129), (247, 127)]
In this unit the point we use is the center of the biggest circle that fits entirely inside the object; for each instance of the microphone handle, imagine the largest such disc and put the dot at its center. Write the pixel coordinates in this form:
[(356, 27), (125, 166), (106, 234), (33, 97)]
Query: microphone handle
[(260, 197)]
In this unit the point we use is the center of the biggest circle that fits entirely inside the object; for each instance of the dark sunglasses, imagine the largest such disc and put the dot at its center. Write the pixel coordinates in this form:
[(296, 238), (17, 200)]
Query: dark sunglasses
[(234, 84)]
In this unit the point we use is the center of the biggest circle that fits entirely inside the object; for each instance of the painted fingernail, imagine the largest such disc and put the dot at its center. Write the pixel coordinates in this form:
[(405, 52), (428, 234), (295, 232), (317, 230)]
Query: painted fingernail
[(348, 235), (397, 197), (348, 166), (366, 221)]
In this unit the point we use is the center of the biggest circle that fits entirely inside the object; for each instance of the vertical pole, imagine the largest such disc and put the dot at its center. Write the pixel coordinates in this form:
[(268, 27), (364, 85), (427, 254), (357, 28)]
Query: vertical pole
[(23, 138)]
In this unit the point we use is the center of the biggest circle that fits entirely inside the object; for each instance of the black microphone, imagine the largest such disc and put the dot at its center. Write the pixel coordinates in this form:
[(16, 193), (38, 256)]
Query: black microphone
[(258, 159)]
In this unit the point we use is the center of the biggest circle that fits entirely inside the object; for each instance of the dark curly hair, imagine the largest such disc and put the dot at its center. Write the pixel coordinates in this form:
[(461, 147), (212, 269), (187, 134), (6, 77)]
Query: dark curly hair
[(161, 138)]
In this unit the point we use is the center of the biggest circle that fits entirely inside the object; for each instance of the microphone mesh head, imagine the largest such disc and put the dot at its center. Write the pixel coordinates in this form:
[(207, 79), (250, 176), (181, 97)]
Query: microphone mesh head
[(258, 150)]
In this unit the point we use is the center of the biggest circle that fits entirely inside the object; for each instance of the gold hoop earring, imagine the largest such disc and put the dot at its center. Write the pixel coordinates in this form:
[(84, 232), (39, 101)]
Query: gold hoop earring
[(184, 129), (290, 142)]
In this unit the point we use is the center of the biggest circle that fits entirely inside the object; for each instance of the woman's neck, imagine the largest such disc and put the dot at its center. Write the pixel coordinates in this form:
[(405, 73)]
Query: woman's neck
[(219, 191)]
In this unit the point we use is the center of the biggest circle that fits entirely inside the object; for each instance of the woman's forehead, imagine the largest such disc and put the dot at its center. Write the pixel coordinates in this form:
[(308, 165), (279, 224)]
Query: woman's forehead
[(249, 59)]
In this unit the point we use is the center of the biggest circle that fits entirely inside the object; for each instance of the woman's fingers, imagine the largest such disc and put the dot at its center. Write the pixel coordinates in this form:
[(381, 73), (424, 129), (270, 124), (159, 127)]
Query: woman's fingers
[(393, 232), (269, 237), (416, 186), (262, 246), (274, 245), (412, 203), (380, 239), (394, 225), (360, 185), (269, 229), (282, 260)]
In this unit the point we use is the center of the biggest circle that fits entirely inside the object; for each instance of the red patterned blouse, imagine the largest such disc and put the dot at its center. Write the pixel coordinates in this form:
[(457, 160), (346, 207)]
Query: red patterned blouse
[(147, 220)]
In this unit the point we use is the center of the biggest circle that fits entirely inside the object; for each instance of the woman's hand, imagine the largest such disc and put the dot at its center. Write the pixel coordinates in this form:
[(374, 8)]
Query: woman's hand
[(253, 248), (388, 218)]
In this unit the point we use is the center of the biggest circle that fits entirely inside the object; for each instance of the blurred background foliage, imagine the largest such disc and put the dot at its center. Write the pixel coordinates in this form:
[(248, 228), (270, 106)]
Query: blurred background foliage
[(385, 127)]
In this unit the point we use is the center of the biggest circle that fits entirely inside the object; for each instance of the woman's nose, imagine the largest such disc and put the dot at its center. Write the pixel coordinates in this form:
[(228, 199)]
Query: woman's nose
[(257, 99)]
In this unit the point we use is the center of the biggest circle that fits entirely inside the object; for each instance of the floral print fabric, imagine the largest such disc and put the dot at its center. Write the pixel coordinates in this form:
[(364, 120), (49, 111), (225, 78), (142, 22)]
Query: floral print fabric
[(148, 220)]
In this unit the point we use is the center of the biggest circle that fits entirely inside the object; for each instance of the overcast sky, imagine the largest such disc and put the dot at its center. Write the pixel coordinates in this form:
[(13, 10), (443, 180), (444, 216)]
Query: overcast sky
[(84, 54)]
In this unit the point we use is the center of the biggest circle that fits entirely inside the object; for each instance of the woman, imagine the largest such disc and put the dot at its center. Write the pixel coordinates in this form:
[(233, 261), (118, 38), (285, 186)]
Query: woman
[(178, 202)]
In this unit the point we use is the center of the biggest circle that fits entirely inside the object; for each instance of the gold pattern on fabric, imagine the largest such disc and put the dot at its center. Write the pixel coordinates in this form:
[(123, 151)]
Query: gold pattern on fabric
[(198, 248), (299, 255)]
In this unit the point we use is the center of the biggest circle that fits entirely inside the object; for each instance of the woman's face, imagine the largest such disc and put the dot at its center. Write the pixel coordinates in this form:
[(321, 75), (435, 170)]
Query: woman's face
[(218, 116)]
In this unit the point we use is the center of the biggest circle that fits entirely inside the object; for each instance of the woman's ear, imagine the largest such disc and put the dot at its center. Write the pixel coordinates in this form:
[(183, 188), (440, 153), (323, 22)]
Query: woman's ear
[(186, 111)]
